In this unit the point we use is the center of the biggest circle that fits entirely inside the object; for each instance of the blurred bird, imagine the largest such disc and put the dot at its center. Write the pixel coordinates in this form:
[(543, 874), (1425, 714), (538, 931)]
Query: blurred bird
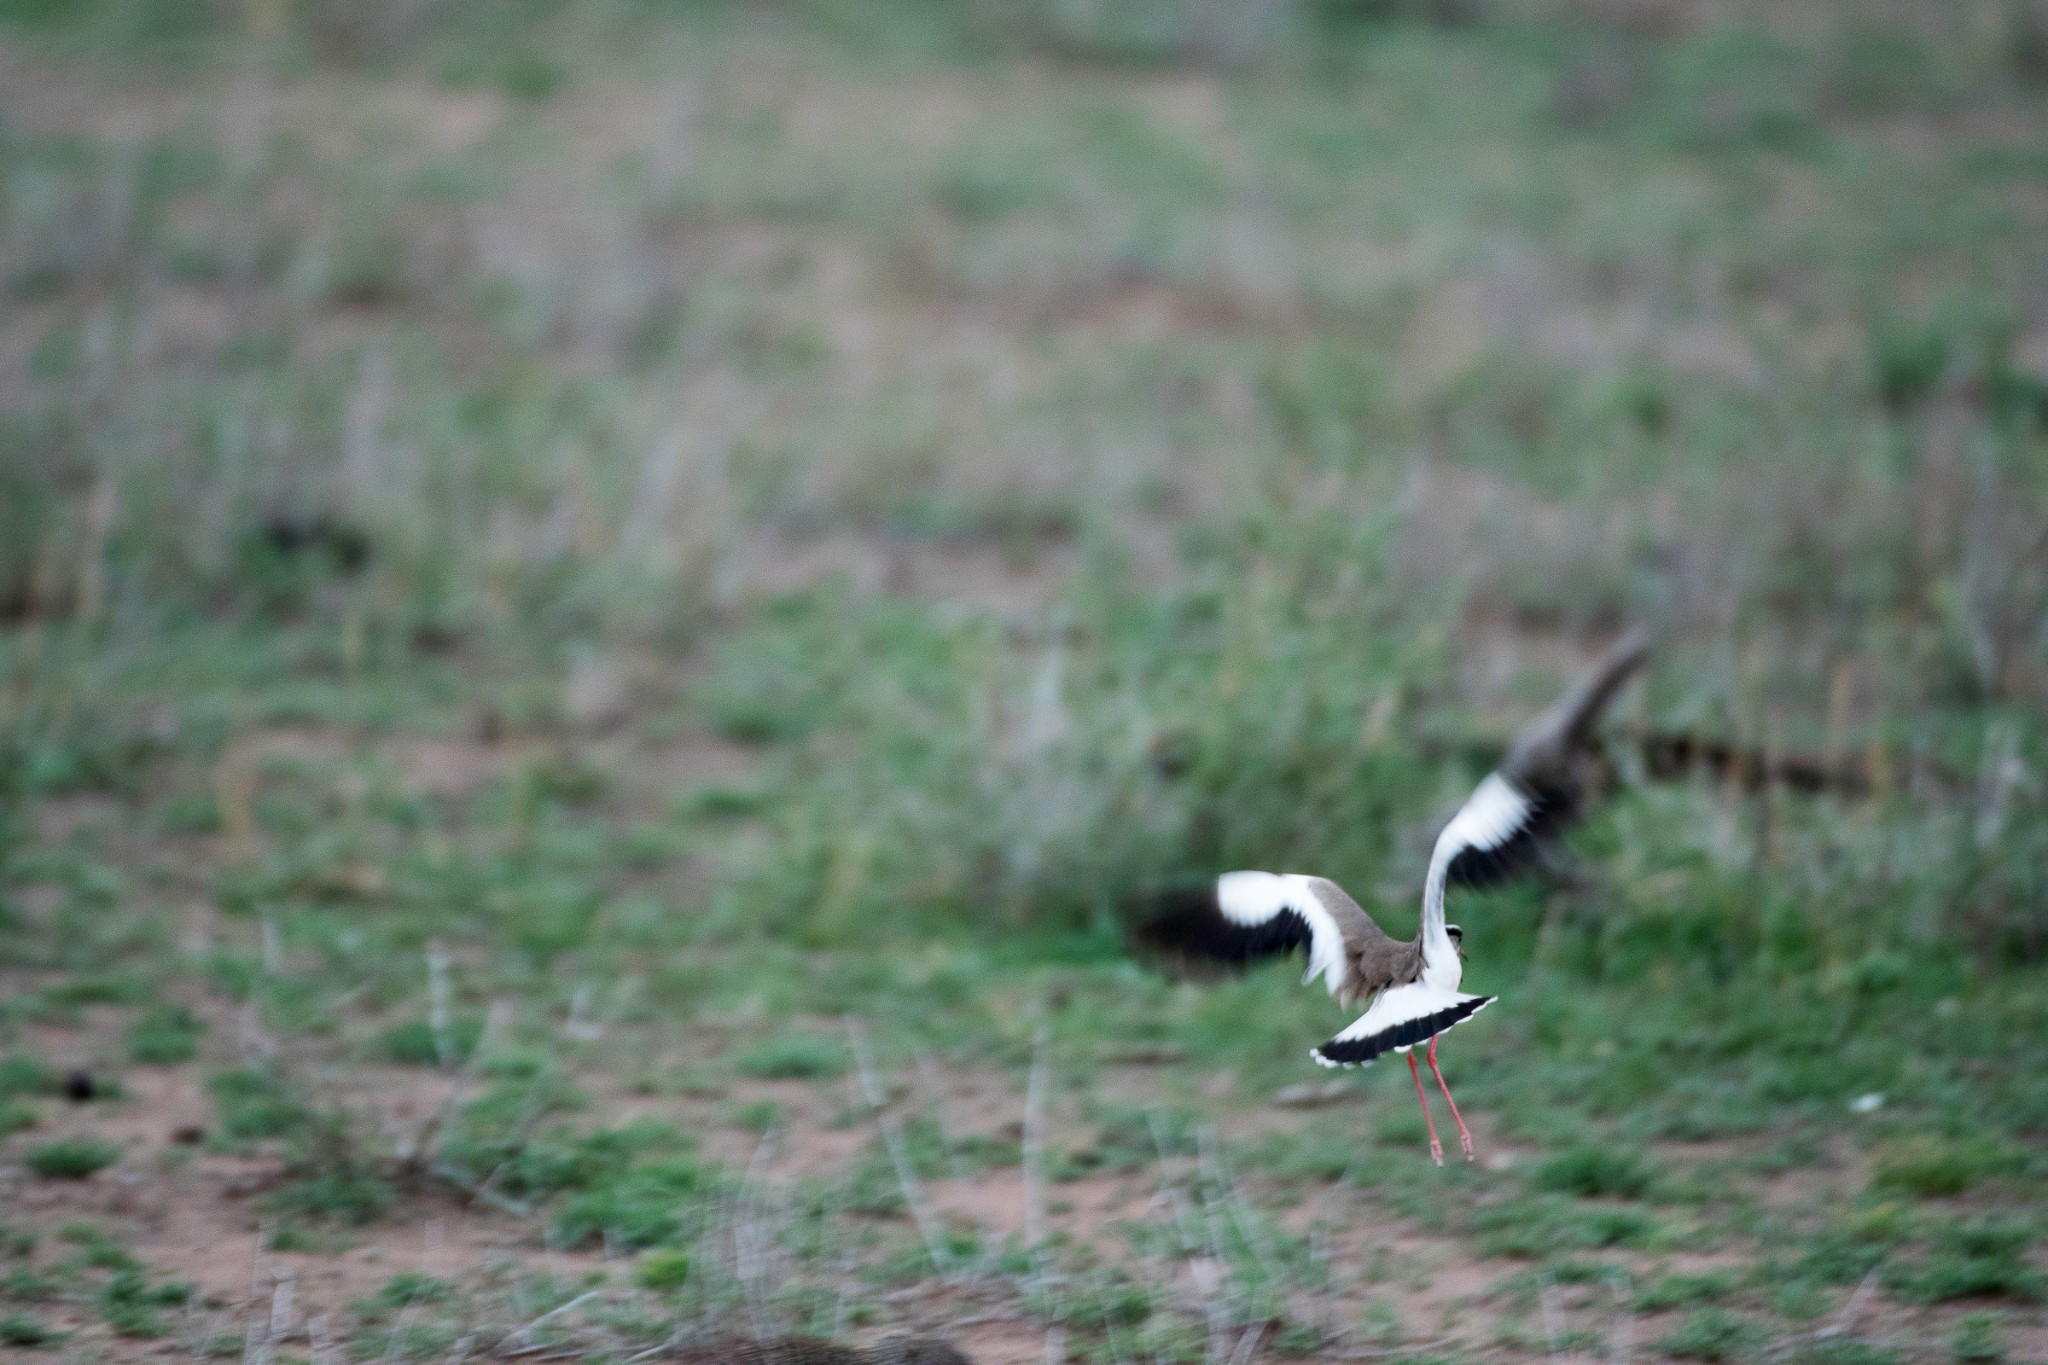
[(1553, 765), (1539, 786), (1413, 985)]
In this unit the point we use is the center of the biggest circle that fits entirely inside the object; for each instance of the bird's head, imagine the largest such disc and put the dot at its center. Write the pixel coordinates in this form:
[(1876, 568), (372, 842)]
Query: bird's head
[(1457, 939)]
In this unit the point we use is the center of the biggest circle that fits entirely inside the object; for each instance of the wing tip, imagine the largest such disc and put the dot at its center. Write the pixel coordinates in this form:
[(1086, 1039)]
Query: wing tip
[(1189, 922), (1538, 816)]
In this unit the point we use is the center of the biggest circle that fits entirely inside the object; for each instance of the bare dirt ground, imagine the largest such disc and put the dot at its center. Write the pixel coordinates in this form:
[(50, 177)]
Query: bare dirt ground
[(195, 1214)]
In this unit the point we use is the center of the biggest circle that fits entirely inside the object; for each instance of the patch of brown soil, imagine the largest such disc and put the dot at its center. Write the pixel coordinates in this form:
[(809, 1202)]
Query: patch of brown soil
[(199, 1223), (60, 819), (342, 114), (1087, 1210), (812, 1142), (456, 767), (1002, 1343)]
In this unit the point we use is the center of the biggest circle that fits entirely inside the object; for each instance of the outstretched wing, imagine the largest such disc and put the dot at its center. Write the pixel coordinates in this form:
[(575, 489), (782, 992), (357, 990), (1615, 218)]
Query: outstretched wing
[(1500, 830), (1399, 1019), (1547, 748), (1258, 914)]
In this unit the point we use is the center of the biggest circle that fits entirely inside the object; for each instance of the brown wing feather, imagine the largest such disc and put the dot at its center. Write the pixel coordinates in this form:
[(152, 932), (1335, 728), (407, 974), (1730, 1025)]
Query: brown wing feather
[(1374, 959)]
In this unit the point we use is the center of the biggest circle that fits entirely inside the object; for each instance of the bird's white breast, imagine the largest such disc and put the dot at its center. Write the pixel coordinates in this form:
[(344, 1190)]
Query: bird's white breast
[(1442, 968)]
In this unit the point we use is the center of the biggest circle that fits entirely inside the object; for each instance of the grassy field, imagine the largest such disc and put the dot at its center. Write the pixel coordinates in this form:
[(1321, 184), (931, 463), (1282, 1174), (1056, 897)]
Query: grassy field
[(607, 610)]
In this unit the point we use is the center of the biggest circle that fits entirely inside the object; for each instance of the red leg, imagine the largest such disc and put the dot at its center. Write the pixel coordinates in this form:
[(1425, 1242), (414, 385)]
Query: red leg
[(1464, 1138), (1436, 1149)]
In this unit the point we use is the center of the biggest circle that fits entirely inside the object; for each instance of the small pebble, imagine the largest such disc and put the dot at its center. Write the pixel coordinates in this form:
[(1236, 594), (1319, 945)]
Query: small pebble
[(78, 1087)]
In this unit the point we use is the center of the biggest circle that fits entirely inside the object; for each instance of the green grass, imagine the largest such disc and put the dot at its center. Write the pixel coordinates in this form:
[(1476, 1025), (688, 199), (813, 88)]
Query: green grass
[(416, 1043), (72, 1158), (1841, 1351), (165, 1036), (792, 1056), (759, 1116), (127, 1302), (254, 1104), (1977, 1338), (16, 1116), (410, 1287), (1592, 1171), (21, 1075), (1712, 1334), (663, 527), (1981, 1258), (1683, 1291), (1933, 1167), (19, 1329), (663, 1270)]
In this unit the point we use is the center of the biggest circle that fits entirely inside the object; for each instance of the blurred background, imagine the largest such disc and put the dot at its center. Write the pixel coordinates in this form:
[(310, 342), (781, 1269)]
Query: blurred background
[(552, 553)]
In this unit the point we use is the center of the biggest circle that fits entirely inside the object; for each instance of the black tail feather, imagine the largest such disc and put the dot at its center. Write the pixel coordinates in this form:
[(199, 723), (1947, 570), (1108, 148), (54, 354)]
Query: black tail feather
[(1362, 1051)]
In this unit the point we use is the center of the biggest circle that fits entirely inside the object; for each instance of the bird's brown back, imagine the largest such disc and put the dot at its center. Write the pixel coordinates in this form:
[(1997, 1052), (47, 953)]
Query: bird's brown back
[(1376, 960), (1385, 962), (811, 1351)]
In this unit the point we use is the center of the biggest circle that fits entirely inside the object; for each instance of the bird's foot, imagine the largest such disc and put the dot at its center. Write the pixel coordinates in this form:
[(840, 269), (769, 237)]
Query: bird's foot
[(1465, 1141), (1436, 1151)]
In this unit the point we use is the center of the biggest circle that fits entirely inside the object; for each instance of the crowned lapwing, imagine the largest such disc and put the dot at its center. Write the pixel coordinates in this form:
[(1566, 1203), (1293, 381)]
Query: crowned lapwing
[(1413, 985), (1539, 786), (1552, 765)]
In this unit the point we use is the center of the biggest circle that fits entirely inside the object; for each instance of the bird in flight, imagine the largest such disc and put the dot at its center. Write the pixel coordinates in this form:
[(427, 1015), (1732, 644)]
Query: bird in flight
[(1413, 985), (1551, 768)]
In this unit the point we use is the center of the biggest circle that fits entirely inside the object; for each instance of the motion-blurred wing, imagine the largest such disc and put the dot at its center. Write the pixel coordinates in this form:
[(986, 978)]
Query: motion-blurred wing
[(1258, 914), (1398, 1020), (1541, 784), (1500, 830)]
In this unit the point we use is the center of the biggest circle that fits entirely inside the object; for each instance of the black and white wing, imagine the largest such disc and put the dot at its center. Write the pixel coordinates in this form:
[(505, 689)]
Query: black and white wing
[(1244, 915), (1500, 830), (1400, 1017)]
